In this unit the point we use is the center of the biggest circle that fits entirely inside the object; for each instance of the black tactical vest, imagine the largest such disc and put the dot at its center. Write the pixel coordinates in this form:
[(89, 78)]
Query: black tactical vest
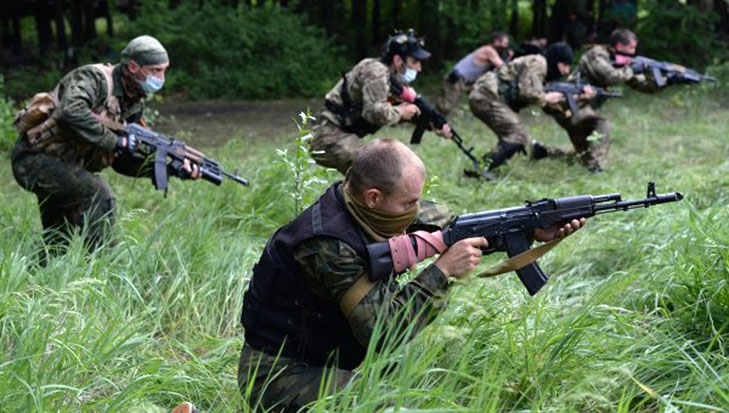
[(280, 312)]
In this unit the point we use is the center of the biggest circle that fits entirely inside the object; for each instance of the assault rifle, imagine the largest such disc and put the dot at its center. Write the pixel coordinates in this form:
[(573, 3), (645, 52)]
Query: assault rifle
[(572, 90), (511, 229), (665, 73), (429, 116), (149, 142)]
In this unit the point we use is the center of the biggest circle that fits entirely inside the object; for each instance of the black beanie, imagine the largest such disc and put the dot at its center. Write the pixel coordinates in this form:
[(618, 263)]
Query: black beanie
[(557, 53)]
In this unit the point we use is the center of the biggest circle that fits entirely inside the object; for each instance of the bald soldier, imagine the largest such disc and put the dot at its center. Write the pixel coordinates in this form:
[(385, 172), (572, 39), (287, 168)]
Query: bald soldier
[(460, 79), (602, 66), (58, 160), (296, 334), (498, 96), (362, 102)]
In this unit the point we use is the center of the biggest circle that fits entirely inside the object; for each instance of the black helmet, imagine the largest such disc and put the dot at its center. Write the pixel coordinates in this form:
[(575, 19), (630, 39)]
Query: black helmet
[(404, 44)]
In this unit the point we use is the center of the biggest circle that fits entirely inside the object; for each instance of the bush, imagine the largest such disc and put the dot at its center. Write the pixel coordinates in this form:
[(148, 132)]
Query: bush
[(7, 114), (242, 52)]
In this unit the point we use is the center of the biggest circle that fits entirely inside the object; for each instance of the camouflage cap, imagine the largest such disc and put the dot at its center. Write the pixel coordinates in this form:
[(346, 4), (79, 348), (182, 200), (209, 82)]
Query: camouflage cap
[(145, 50)]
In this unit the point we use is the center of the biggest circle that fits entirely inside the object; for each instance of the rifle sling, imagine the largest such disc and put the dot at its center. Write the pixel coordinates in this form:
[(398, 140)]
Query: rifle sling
[(363, 285), (520, 260)]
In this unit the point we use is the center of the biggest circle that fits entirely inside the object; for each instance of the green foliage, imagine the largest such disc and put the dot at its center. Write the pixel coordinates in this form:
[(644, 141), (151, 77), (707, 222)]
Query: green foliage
[(7, 115), (670, 30), (241, 53)]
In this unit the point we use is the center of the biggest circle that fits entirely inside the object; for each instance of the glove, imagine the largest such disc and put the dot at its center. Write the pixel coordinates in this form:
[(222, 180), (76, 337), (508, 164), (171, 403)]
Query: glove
[(130, 147)]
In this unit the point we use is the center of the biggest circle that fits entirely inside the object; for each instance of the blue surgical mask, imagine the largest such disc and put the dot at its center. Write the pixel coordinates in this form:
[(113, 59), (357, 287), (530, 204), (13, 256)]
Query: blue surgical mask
[(409, 75), (151, 84)]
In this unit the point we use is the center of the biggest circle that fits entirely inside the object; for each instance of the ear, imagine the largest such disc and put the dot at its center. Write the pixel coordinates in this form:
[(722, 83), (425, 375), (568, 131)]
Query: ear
[(372, 197), (397, 62)]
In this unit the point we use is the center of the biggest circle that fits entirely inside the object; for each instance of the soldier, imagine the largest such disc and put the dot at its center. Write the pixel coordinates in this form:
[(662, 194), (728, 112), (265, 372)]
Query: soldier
[(314, 271), (460, 79), (58, 159), (589, 132), (360, 103), (497, 97)]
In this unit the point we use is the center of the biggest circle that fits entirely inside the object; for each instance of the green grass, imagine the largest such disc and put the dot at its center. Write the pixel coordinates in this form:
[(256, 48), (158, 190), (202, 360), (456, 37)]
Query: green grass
[(635, 316)]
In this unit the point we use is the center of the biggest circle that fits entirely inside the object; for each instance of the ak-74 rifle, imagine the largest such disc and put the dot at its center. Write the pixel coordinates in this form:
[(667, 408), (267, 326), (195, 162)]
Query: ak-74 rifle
[(667, 73), (150, 143), (507, 230), (429, 116), (572, 90)]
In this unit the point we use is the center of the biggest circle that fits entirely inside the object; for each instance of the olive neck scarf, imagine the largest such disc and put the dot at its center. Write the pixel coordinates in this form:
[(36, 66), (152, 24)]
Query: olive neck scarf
[(378, 225)]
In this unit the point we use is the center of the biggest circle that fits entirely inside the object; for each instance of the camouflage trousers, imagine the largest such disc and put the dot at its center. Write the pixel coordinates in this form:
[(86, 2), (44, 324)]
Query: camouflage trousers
[(589, 133), (282, 384), (503, 121), (332, 147), (452, 89), (69, 198)]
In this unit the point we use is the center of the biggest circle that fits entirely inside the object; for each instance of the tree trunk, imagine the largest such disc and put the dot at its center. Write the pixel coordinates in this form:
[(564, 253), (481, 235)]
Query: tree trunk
[(42, 15), (376, 29), (60, 24), (359, 19), (89, 20), (77, 23), (329, 18), (396, 8), (514, 23), (539, 19)]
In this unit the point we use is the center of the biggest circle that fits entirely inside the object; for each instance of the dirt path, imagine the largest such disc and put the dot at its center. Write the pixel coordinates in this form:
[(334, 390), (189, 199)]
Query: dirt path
[(212, 123)]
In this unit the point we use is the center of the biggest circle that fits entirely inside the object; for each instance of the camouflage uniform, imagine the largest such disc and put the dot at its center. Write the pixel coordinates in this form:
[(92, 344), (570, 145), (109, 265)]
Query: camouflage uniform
[(368, 84), (497, 97), (596, 68), (330, 268), (61, 173)]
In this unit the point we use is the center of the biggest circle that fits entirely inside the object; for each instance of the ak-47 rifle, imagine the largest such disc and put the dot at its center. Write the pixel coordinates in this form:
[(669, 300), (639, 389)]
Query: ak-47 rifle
[(667, 73), (572, 90), (148, 143), (429, 116), (511, 229)]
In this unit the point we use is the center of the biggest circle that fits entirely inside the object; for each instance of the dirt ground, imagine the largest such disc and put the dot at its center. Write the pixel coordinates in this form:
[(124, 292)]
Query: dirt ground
[(212, 123)]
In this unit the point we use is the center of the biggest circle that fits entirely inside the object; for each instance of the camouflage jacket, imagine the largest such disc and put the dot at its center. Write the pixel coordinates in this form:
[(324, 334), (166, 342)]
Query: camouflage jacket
[(81, 139), (368, 84), (331, 267), (520, 83), (596, 68)]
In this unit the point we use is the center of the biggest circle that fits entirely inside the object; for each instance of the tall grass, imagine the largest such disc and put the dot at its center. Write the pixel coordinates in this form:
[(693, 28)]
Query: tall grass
[(635, 316)]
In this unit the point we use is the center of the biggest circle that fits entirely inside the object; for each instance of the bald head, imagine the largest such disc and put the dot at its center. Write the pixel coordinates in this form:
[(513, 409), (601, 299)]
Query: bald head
[(385, 164)]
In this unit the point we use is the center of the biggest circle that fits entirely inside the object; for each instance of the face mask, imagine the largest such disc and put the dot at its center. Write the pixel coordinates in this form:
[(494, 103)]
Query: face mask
[(151, 84), (379, 225), (409, 75)]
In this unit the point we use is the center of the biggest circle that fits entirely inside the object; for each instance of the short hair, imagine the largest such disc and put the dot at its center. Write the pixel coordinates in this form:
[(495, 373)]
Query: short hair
[(379, 164), (622, 36), (497, 36)]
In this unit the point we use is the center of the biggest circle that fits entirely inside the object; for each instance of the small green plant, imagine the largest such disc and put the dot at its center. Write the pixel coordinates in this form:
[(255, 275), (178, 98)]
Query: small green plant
[(305, 178)]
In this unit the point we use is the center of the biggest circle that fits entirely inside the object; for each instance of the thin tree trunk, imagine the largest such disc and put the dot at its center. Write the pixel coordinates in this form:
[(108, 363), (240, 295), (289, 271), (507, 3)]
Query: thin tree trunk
[(77, 23), (359, 19), (42, 17), (514, 23), (90, 20), (60, 24), (376, 29)]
